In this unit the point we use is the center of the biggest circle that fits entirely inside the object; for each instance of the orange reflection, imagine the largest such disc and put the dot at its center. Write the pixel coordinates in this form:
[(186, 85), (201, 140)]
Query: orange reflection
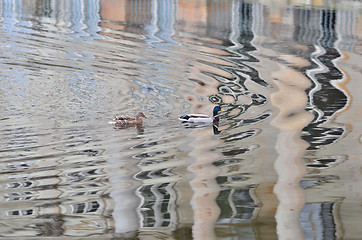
[(291, 101)]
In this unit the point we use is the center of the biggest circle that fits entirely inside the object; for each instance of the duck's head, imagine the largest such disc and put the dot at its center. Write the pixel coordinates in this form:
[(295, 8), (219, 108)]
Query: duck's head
[(140, 115), (216, 110)]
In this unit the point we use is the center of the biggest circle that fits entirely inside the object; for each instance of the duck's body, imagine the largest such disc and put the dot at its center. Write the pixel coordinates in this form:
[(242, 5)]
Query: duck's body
[(129, 120), (202, 118)]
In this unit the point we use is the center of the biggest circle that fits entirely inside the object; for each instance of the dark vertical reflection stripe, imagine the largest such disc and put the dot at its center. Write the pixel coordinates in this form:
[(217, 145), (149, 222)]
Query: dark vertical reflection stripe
[(327, 100)]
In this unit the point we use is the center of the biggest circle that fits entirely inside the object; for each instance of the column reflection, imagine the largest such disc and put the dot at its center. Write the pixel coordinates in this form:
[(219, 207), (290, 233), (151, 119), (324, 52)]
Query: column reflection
[(292, 118), (204, 185)]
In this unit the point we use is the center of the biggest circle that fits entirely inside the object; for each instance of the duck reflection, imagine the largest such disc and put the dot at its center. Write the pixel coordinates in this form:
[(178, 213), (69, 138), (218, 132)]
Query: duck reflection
[(215, 126), (140, 128)]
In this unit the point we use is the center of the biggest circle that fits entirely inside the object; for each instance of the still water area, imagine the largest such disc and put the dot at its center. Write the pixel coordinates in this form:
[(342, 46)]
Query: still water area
[(284, 161)]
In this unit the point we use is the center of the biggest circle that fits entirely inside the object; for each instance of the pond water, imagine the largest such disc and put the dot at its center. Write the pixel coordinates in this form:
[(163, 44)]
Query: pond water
[(284, 161)]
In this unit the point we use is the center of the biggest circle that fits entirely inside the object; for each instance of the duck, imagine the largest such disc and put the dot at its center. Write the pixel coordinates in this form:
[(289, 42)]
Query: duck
[(129, 121), (202, 118)]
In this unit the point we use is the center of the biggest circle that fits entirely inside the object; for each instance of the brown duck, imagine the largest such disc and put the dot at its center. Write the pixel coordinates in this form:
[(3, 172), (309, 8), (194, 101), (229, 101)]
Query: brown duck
[(129, 121)]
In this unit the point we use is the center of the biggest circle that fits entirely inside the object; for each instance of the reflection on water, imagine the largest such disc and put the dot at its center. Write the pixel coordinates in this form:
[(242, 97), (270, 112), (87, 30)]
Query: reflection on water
[(282, 163)]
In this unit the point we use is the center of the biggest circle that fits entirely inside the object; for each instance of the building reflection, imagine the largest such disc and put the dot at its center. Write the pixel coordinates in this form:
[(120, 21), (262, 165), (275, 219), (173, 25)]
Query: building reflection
[(245, 199)]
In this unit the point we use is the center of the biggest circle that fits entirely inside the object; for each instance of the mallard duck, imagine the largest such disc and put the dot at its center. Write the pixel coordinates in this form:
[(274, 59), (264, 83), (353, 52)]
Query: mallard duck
[(202, 118), (129, 120)]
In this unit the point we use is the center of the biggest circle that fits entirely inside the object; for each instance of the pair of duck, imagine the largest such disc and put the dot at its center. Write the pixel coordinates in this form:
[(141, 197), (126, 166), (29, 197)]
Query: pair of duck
[(188, 118)]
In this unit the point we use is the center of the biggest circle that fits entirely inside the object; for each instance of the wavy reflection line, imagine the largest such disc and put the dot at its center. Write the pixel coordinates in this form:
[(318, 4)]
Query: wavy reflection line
[(157, 176), (240, 46), (325, 97), (319, 51)]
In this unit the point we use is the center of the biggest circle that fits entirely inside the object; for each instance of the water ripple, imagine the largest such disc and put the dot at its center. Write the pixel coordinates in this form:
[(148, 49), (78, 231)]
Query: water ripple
[(68, 67)]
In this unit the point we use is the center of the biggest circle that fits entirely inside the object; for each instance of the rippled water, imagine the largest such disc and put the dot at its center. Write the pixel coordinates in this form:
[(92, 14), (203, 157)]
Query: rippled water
[(284, 162)]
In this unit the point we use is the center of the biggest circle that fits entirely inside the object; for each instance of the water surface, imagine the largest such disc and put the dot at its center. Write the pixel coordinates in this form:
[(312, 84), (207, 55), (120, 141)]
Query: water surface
[(283, 163)]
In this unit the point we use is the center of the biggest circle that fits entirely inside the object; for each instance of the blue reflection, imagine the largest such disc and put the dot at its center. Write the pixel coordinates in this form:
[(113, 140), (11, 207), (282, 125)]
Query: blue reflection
[(22, 17), (161, 28), (85, 18)]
